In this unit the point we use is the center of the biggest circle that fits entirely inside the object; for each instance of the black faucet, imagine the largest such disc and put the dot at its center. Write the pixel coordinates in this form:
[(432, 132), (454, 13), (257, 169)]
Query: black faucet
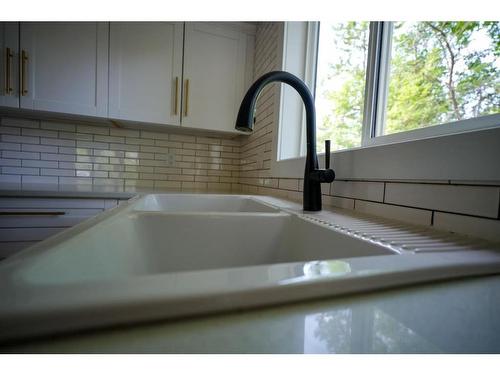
[(313, 176)]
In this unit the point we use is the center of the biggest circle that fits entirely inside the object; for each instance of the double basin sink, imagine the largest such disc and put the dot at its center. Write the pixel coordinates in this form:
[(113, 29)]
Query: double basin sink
[(162, 256), (174, 233)]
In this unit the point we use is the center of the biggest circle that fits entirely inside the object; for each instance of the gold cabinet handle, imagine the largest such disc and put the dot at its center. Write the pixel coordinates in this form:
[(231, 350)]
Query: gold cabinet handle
[(186, 97), (8, 60), (24, 63), (31, 213), (176, 97)]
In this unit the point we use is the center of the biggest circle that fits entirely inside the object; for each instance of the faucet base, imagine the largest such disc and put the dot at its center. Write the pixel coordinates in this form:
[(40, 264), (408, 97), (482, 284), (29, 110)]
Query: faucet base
[(312, 196)]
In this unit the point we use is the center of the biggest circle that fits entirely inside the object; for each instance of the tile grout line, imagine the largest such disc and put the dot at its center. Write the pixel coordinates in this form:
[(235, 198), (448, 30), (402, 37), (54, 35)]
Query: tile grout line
[(498, 213)]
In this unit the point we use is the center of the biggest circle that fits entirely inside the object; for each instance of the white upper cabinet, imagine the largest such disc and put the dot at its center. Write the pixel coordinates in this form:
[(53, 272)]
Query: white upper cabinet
[(217, 67), (190, 74), (9, 45), (145, 71), (64, 67)]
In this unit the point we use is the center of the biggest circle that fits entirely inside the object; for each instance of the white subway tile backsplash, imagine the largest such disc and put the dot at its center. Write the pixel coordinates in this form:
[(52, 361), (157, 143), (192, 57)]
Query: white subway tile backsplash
[(87, 144), (109, 167), (10, 146), (58, 157), (86, 166), (57, 142), (10, 179), (139, 155), (182, 138), (49, 125), (140, 141), (169, 144), (75, 136), (75, 181), (151, 149), (19, 122), (210, 141), (129, 175), (87, 173), (67, 150), (124, 132), (20, 155), (406, 214), (488, 229), (57, 172), (372, 191), (123, 147), (10, 162), (154, 135), (111, 153), (107, 181), (101, 130), (39, 132), (9, 130), (471, 200), (288, 184), (135, 168), (40, 164), (157, 184), (109, 138), (346, 203), (91, 159), (38, 148), (194, 185), (39, 180), (325, 188), (17, 170), (19, 139)]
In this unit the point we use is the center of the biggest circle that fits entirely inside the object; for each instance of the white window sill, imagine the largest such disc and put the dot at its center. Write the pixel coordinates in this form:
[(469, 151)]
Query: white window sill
[(472, 155)]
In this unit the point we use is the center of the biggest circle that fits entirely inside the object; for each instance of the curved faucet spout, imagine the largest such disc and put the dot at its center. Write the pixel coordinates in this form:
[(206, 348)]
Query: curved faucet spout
[(313, 176)]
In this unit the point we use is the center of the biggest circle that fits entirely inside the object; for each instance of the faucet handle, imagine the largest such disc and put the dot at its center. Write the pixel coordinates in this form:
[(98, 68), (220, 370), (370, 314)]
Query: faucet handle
[(327, 154)]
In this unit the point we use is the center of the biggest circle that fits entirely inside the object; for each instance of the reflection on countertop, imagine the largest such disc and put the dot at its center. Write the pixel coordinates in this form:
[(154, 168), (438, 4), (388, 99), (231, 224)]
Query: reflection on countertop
[(451, 317)]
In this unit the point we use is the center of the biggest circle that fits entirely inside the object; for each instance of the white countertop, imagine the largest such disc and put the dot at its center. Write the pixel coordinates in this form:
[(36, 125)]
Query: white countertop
[(451, 317), (85, 191)]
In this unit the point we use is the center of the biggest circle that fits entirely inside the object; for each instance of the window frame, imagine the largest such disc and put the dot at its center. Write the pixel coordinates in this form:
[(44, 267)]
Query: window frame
[(377, 79), (376, 92), (469, 155)]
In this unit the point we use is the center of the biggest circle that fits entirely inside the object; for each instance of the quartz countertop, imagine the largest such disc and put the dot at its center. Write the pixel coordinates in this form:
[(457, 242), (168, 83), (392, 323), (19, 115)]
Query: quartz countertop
[(459, 316), (85, 191)]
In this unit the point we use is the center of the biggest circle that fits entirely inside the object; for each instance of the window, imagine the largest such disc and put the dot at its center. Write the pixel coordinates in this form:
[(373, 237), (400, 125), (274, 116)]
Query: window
[(340, 83), (441, 72), (381, 82)]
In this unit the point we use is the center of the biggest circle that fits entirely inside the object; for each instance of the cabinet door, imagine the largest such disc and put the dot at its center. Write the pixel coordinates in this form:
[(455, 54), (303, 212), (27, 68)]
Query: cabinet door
[(65, 68), (145, 69), (215, 63), (9, 79)]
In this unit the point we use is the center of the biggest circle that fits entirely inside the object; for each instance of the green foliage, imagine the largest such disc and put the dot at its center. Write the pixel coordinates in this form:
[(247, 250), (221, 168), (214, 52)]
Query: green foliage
[(344, 122), (437, 74)]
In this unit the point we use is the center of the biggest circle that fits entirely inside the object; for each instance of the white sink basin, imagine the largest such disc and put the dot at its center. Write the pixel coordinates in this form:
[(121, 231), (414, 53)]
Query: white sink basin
[(152, 243), (201, 203), (169, 256)]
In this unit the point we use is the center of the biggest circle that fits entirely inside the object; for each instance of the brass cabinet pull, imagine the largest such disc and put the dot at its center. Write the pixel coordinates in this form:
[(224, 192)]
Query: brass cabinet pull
[(32, 213), (24, 63), (186, 98), (8, 60), (176, 97)]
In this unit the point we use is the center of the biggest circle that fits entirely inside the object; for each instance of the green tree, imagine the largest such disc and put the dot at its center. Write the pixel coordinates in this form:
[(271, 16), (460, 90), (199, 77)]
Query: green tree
[(439, 72), (343, 123), (437, 77)]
